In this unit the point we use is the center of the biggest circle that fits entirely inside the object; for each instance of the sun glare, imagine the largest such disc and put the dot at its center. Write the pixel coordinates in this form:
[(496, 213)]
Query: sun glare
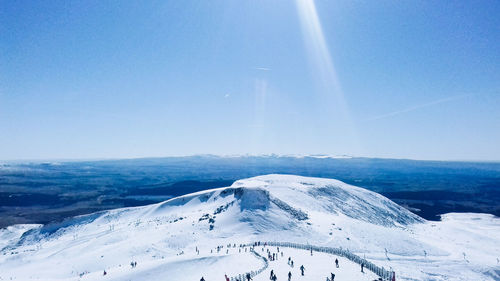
[(324, 68)]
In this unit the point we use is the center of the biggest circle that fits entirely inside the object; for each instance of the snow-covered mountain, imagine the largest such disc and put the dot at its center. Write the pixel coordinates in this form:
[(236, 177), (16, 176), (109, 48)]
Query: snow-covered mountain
[(163, 237)]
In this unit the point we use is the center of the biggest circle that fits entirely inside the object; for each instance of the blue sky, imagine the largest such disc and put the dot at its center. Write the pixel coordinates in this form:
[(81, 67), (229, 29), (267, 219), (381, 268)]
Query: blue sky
[(106, 79)]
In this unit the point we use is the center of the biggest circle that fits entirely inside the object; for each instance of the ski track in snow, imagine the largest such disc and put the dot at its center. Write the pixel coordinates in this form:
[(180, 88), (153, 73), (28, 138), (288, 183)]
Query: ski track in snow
[(162, 237)]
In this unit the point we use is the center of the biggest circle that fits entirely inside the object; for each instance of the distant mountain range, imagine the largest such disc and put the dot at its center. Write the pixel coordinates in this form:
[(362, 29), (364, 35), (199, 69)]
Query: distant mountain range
[(42, 192)]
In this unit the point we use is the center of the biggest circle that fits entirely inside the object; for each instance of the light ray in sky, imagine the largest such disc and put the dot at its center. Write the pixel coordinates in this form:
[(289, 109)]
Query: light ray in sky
[(260, 93), (324, 68), (316, 44)]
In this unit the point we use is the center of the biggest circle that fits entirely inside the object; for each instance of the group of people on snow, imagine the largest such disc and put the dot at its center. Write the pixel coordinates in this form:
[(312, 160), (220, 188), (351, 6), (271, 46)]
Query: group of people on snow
[(332, 277), (272, 256)]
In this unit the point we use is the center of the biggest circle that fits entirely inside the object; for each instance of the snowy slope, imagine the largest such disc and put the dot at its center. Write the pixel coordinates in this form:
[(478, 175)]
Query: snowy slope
[(163, 237)]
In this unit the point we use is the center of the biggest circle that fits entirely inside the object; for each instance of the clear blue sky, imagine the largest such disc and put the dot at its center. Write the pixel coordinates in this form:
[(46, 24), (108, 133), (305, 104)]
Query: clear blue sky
[(116, 79)]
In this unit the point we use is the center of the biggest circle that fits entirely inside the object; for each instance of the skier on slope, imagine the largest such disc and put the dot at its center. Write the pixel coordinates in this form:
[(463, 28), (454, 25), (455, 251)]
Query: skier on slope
[(332, 276), (271, 276), (362, 266), (337, 263), (289, 275), (227, 278), (249, 277), (302, 268), (202, 279)]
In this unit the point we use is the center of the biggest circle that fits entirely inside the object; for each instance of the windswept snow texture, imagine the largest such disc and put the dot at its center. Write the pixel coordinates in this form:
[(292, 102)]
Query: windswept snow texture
[(162, 238)]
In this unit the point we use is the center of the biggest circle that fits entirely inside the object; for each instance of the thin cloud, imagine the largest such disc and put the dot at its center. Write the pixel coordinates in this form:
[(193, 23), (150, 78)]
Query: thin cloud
[(420, 106), (262, 68), (227, 96)]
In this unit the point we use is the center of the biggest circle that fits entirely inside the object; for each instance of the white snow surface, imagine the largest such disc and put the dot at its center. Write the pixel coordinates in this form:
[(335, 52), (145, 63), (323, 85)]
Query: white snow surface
[(162, 238)]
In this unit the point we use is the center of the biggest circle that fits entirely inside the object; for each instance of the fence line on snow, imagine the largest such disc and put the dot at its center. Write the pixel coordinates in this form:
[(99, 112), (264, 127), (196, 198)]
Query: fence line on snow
[(381, 272), (241, 277)]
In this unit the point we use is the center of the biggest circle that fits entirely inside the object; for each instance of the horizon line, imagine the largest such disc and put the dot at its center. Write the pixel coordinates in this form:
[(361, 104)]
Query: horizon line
[(313, 155)]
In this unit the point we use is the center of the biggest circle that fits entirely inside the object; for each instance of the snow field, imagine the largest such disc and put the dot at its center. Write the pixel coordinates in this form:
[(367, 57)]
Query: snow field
[(162, 237)]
